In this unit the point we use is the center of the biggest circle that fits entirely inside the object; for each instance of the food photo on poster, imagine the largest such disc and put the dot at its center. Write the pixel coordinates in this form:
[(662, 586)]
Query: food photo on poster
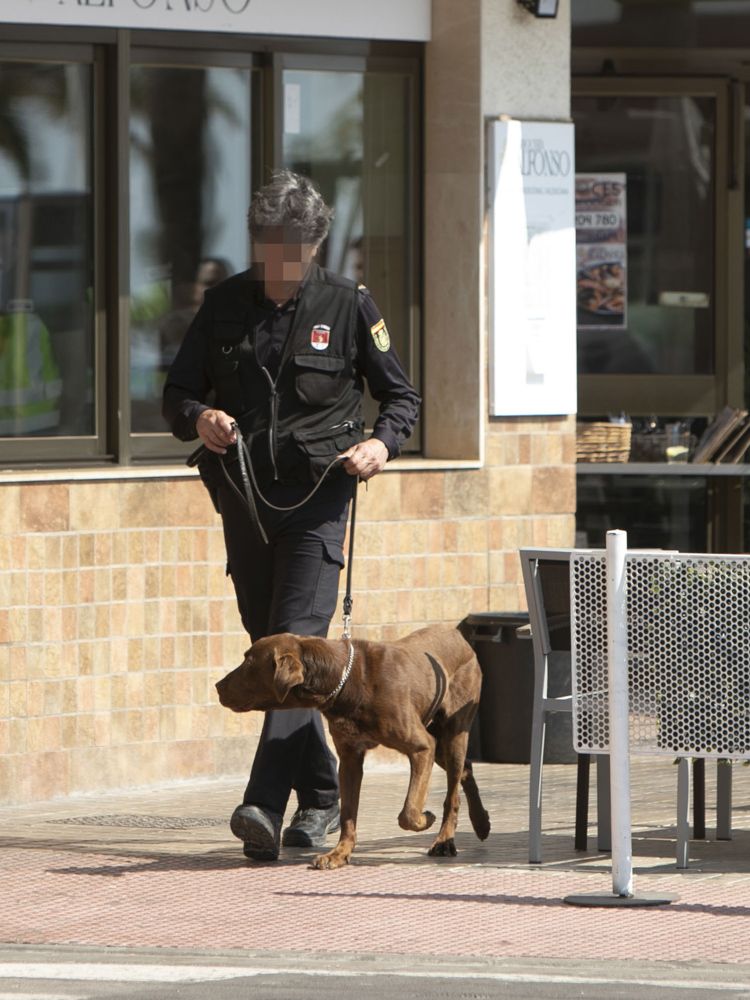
[(601, 251)]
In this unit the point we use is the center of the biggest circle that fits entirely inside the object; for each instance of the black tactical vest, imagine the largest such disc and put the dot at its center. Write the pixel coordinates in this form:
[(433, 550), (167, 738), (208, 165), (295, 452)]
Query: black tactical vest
[(312, 411)]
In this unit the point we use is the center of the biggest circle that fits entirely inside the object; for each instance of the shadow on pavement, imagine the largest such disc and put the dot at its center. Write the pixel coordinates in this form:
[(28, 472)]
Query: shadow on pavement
[(653, 852)]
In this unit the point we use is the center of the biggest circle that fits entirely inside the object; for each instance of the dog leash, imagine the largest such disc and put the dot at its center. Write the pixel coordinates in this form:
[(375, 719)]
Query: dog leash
[(250, 483), (348, 600), (247, 496)]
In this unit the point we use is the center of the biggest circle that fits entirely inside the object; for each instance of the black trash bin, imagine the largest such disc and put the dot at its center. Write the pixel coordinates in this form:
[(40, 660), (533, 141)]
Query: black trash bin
[(503, 732)]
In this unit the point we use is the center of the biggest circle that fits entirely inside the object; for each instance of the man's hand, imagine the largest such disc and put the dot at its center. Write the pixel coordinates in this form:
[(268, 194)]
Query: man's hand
[(366, 459), (215, 430)]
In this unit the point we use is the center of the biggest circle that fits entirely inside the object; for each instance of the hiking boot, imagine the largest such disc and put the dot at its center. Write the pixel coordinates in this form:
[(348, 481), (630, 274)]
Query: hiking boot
[(260, 831), (309, 827)]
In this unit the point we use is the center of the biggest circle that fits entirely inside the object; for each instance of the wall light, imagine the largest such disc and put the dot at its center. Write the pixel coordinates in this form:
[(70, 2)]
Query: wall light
[(540, 8)]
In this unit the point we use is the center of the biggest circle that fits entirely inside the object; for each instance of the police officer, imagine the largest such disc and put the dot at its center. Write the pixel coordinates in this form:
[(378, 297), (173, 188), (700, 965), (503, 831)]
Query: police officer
[(281, 351)]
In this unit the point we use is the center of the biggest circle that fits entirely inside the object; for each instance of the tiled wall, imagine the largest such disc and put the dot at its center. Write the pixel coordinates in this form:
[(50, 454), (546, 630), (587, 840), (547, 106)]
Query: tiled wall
[(118, 621), (117, 617)]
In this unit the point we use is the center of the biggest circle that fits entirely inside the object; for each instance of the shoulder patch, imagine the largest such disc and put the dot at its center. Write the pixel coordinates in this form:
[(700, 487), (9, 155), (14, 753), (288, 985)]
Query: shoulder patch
[(380, 336)]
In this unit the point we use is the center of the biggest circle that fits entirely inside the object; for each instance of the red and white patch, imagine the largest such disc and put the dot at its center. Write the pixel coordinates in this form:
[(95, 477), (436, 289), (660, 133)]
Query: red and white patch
[(320, 337)]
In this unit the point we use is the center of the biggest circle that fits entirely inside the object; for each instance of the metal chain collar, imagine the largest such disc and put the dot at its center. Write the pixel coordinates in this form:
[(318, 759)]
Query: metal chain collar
[(345, 676)]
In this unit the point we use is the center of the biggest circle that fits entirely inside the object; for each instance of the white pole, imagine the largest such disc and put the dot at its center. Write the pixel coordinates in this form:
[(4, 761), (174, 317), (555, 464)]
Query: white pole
[(617, 650)]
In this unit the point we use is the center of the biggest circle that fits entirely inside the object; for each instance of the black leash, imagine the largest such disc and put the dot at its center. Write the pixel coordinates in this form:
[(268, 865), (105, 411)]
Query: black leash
[(348, 601), (247, 496), (250, 484)]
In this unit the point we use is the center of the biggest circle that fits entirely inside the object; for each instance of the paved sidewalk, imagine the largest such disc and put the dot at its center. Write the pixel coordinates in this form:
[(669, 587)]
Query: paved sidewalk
[(160, 869)]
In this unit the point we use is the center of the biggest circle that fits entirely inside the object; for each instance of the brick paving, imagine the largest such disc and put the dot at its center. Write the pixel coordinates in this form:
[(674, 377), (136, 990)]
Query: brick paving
[(159, 868)]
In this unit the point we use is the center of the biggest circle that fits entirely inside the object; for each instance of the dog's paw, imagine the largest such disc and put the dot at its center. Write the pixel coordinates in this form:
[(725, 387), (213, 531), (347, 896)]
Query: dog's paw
[(481, 824), (327, 862), (419, 823), (443, 849), (428, 818)]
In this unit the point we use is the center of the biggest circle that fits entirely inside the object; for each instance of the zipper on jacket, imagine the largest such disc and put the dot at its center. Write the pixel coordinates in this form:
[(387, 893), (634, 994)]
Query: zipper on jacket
[(272, 418)]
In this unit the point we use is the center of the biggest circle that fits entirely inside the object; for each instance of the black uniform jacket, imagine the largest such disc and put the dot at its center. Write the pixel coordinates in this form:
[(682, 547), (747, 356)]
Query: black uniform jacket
[(292, 377)]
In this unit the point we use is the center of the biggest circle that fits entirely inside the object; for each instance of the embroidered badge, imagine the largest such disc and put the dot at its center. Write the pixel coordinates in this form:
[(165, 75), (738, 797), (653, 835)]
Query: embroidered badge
[(320, 337), (380, 336)]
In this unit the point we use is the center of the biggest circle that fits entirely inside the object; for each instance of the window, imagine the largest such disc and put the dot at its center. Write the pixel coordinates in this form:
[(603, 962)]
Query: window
[(48, 385), (190, 182), (130, 200), (350, 130), (661, 24), (671, 351), (665, 147), (672, 512)]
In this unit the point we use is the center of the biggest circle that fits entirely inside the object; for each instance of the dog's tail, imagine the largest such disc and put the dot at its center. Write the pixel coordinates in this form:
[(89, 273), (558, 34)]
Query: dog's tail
[(478, 815)]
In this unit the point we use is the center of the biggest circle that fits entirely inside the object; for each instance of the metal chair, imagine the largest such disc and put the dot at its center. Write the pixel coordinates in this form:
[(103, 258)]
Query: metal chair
[(546, 576)]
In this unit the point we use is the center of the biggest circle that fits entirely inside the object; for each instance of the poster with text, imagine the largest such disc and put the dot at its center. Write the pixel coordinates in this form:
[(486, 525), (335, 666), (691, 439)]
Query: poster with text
[(601, 251), (532, 268), (387, 19)]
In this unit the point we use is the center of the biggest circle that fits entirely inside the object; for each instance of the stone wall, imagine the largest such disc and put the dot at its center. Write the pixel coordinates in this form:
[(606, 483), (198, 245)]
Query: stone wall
[(118, 619)]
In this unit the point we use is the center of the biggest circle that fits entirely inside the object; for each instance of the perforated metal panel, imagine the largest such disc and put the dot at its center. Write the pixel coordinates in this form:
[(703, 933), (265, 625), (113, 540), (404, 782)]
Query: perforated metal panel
[(588, 633), (688, 619)]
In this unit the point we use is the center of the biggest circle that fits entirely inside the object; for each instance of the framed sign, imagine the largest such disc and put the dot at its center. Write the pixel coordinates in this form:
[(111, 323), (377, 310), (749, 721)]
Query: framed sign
[(333, 18), (532, 268)]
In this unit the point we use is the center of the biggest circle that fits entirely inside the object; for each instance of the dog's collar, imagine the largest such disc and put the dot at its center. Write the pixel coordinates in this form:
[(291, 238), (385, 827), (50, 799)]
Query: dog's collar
[(344, 677)]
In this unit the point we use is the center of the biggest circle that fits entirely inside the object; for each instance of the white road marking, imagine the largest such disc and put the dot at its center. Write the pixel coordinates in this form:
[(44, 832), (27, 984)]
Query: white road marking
[(124, 973), (140, 973), (42, 996)]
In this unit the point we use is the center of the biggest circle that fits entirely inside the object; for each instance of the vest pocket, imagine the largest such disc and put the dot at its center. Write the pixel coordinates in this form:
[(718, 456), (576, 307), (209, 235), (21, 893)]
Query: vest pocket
[(320, 447), (319, 379)]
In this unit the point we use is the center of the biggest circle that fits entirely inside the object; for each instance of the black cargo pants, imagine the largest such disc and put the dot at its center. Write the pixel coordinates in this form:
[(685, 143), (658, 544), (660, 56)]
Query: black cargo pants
[(289, 585)]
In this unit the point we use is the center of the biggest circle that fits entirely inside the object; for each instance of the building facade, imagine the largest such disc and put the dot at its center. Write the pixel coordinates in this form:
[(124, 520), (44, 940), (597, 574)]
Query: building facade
[(135, 133), (660, 101)]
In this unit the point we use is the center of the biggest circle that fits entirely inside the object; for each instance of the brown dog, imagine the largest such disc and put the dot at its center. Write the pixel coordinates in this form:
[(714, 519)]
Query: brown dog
[(418, 695)]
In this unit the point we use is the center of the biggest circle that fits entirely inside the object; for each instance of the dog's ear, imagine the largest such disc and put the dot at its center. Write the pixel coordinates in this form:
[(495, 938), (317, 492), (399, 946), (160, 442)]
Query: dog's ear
[(289, 672)]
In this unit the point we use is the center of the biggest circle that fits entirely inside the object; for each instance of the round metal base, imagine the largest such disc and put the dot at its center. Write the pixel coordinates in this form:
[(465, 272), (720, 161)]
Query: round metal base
[(609, 899)]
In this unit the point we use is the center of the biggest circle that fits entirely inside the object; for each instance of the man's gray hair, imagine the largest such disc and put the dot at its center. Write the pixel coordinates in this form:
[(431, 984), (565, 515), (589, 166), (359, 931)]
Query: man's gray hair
[(292, 202)]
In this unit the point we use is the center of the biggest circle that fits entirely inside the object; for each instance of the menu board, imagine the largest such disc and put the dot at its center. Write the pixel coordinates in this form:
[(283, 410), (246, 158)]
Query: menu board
[(601, 251), (532, 268)]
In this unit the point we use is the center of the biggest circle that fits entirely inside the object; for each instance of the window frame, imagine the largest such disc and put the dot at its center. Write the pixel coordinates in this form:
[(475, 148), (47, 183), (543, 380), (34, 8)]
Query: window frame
[(112, 52), (85, 447)]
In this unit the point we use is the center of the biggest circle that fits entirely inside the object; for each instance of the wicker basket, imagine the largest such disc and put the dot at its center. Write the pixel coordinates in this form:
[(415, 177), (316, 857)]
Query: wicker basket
[(601, 441)]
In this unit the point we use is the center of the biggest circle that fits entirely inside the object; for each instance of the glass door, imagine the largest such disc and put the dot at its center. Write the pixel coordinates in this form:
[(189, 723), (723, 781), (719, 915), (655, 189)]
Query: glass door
[(670, 349)]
